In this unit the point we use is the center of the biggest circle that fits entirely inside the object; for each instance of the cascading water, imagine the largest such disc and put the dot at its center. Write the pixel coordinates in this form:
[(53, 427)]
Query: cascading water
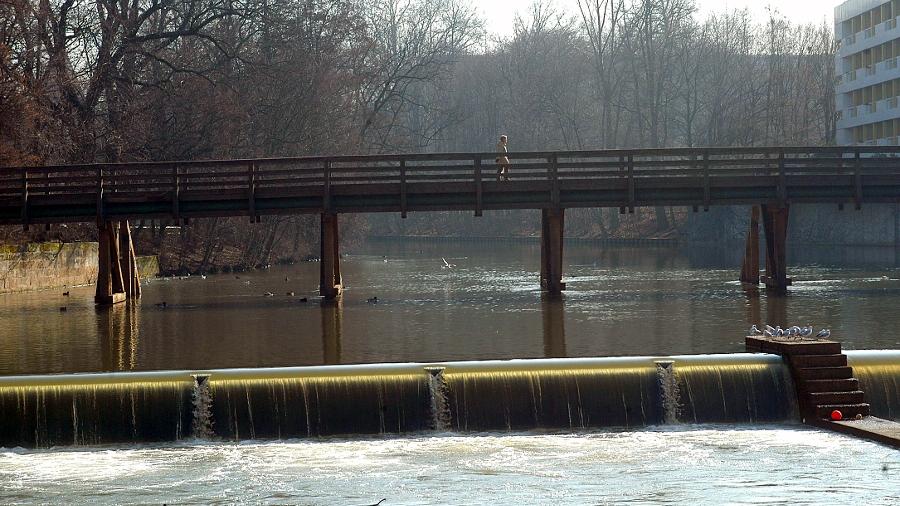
[(201, 399), (93, 409), (668, 391), (878, 373), (404, 398), (438, 393)]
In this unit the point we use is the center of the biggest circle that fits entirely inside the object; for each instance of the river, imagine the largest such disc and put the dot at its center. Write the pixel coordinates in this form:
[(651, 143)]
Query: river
[(620, 301)]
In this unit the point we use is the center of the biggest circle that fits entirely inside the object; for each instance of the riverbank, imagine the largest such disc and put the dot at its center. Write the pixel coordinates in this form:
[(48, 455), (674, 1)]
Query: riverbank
[(40, 266)]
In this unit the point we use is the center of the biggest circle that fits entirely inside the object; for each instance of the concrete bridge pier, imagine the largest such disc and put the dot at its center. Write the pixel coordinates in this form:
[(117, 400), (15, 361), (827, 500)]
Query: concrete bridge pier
[(552, 226), (330, 285), (117, 274), (775, 221)]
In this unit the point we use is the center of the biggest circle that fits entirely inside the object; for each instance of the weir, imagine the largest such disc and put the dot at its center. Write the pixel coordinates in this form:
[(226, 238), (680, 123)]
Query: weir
[(237, 404)]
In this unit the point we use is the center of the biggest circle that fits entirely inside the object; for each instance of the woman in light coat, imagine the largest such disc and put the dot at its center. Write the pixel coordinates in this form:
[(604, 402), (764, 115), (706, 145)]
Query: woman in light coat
[(502, 160)]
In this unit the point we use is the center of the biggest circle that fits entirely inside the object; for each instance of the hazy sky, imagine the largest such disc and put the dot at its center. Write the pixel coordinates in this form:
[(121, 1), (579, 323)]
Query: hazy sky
[(500, 13)]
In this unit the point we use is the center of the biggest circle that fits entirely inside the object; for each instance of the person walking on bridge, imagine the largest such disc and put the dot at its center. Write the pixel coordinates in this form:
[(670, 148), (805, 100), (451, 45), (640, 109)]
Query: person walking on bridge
[(502, 160)]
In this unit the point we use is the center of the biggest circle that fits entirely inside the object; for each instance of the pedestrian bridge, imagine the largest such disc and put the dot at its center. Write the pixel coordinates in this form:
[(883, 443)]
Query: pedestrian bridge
[(770, 179)]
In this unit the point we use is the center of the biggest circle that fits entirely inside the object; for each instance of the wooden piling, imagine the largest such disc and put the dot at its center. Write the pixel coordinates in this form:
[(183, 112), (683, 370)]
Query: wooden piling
[(115, 281), (132, 278), (750, 267), (775, 221), (552, 227), (330, 285)]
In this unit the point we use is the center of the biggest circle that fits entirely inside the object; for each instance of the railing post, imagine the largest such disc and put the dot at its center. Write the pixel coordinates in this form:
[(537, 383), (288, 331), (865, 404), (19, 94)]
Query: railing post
[(623, 171), (857, 181), (782, 181), (176, 191), (479, 195), (554, 180), (100, 212), (251, 192), (326, 186), (25, 199), (707, 192), (403, 189), (631, 190)]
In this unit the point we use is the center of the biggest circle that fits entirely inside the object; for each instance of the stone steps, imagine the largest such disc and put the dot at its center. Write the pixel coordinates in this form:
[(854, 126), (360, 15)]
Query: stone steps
[(802, 361), (823, 398), (830, 385), (824, 381), (848, 411), (823, 373)]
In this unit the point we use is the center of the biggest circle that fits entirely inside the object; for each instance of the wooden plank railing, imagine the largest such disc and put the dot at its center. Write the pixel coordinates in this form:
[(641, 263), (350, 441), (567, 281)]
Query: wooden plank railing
[(325, 176)]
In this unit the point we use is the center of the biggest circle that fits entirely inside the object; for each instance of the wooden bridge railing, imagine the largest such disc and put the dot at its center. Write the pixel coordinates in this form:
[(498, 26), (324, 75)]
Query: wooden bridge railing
[(321, 176)]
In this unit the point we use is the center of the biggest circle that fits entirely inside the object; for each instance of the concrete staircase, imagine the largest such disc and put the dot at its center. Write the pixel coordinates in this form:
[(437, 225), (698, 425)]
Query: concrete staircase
[(821, 375)]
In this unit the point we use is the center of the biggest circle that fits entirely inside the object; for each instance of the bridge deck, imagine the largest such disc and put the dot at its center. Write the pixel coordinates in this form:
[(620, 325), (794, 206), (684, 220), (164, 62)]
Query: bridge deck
[(457, 181)]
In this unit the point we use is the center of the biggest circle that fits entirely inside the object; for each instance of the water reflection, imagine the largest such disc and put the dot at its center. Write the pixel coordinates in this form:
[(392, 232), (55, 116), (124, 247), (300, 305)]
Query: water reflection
[(620, 301), (554, 325), (332, 320), (118, 330)]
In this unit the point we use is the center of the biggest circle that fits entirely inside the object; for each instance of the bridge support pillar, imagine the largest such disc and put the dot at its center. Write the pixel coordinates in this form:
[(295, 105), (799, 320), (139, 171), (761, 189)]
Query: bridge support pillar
[(330, 285), (552, 226), (775, 222), (750, 268), (117, 274)]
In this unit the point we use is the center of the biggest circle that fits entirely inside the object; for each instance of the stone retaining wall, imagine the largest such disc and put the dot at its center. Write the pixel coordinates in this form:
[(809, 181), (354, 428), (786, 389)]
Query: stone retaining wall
[(52, 264)]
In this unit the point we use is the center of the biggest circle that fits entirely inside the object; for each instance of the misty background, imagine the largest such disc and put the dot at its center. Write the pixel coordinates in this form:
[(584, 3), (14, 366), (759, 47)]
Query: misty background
[(109, 81)]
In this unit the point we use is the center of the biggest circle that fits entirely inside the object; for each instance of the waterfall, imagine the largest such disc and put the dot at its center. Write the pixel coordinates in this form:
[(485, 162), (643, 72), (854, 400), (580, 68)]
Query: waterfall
[(573, 394), (438, 393), (669, 394), (201, 401)]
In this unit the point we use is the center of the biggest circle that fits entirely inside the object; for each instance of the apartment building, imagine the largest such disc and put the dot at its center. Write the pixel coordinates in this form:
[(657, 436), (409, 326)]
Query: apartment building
[(868, 75)]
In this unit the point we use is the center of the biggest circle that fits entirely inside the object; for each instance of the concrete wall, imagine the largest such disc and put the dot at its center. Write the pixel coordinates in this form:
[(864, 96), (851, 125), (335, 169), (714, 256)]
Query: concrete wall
[(53, 264), (873, 225)]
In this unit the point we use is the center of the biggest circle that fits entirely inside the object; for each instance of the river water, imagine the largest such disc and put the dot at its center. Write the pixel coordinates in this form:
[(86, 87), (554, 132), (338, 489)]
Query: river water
[(766, 464), (620, 301)]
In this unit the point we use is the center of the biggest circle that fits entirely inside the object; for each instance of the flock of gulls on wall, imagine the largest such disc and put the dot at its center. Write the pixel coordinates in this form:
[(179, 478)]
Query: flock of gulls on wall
[(790, 333)]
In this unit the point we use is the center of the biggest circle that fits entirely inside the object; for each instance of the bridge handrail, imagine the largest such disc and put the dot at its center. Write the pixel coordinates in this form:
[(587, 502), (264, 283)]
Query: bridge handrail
[(462, 156)]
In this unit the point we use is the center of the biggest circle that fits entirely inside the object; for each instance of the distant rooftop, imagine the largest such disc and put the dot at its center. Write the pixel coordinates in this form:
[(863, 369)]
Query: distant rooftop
[(852, 8)]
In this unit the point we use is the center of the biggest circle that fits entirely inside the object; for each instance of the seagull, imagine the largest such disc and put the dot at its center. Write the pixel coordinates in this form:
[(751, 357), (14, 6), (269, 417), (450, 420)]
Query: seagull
[(806, 331), (754, 331), (770, 329), (447, 265), (268, 294), (203, 276), (795, 330), (779, 332), (768, 333), (824, 334)]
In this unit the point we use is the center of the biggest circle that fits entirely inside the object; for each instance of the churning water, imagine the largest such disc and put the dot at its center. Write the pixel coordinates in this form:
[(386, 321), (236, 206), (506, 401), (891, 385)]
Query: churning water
[(760, 464), (636, 429)]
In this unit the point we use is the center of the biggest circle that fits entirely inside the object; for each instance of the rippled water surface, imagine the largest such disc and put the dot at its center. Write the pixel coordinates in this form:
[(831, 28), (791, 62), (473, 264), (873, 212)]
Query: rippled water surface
[(620, 301), (675, 465)]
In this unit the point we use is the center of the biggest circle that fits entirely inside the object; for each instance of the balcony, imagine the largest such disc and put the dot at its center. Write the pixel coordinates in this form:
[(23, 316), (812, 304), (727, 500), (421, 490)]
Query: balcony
[(870, 37)]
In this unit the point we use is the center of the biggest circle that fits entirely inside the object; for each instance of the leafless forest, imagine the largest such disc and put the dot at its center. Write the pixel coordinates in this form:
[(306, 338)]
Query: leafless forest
[(106, 80)]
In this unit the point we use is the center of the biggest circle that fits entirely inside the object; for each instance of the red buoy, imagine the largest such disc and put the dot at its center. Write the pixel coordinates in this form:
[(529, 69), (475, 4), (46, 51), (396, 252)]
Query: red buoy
[(837, 416)]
